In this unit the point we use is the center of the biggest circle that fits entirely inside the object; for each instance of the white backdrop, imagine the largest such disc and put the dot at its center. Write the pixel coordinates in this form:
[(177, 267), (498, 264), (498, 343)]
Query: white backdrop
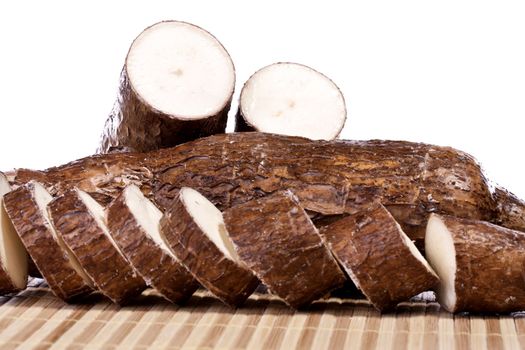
[(449, 72)]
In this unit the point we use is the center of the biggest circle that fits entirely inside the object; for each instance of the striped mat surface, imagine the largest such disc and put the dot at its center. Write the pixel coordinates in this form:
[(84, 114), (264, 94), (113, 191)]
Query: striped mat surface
[(34, 319)]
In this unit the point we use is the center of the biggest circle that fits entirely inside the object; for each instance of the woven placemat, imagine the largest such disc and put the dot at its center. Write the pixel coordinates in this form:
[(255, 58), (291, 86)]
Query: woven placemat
[(36, 319)]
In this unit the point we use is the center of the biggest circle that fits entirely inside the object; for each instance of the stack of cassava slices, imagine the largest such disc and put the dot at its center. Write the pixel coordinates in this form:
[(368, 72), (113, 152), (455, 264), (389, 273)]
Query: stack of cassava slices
[(301, 215)]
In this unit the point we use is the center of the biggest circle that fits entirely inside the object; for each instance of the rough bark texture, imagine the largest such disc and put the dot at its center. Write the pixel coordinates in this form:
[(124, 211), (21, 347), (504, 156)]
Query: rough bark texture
[(159, 269), (111, 272), (321, 221), (35, 232), (276, 239), (134, 125), (223, 277), (329, 177), (490, 275), (510, 210), (370, 246)]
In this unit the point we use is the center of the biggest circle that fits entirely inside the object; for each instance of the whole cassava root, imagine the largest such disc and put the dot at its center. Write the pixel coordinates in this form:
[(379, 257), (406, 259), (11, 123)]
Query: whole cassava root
[(176, 85), (412, 180)]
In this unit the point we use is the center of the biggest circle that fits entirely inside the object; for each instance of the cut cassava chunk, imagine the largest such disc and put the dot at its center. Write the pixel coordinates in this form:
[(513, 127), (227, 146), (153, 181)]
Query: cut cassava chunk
[(27, 208), (291, 99), (176, 85), (411, 179), (13, 255), (481, 265), (80, 221), (276, 239), (194, 229), (379, 257), (32, 270), (133, 221)]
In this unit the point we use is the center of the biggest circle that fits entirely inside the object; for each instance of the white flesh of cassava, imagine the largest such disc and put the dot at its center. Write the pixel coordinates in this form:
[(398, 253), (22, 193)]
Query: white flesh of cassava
[(43, 198), (147, 215), (292, 99), (13, 255), (441, 254), (181, 70), (209, 219)]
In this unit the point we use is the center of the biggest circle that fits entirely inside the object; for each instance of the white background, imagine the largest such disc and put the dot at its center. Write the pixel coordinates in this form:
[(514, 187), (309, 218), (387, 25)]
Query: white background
[(448, 72)]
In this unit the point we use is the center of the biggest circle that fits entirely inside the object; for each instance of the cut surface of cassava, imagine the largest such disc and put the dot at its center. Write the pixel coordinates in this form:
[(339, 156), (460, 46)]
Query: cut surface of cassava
[(80, 221), (277, 240), (291, 99), (194, 229), (176, 85), (13, 255), (379, 257), (480, 265), (27, 208), (133, 221), (411, 179), (32, 270)]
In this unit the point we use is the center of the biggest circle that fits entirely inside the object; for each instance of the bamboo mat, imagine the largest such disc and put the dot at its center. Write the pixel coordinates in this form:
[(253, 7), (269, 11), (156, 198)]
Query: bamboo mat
[(36, 319)]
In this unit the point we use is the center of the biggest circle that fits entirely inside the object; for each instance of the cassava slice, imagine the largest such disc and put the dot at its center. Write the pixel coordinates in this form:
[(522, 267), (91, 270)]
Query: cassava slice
[(176, 85), (80, 221), (481, 265), (379, 257), (13, 255), (133, 221), (27, 208), (274, 236), (194, 229), (291, 99)]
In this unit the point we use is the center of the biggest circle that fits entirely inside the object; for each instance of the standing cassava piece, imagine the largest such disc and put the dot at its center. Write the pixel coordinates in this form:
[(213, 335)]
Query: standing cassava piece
[(481, 265), (276, 239), (176, 85), (194, 229), (27, 209), (79, 220), (133, 221), (291, 99), (379, 257), (13, 255), (411, 179)]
